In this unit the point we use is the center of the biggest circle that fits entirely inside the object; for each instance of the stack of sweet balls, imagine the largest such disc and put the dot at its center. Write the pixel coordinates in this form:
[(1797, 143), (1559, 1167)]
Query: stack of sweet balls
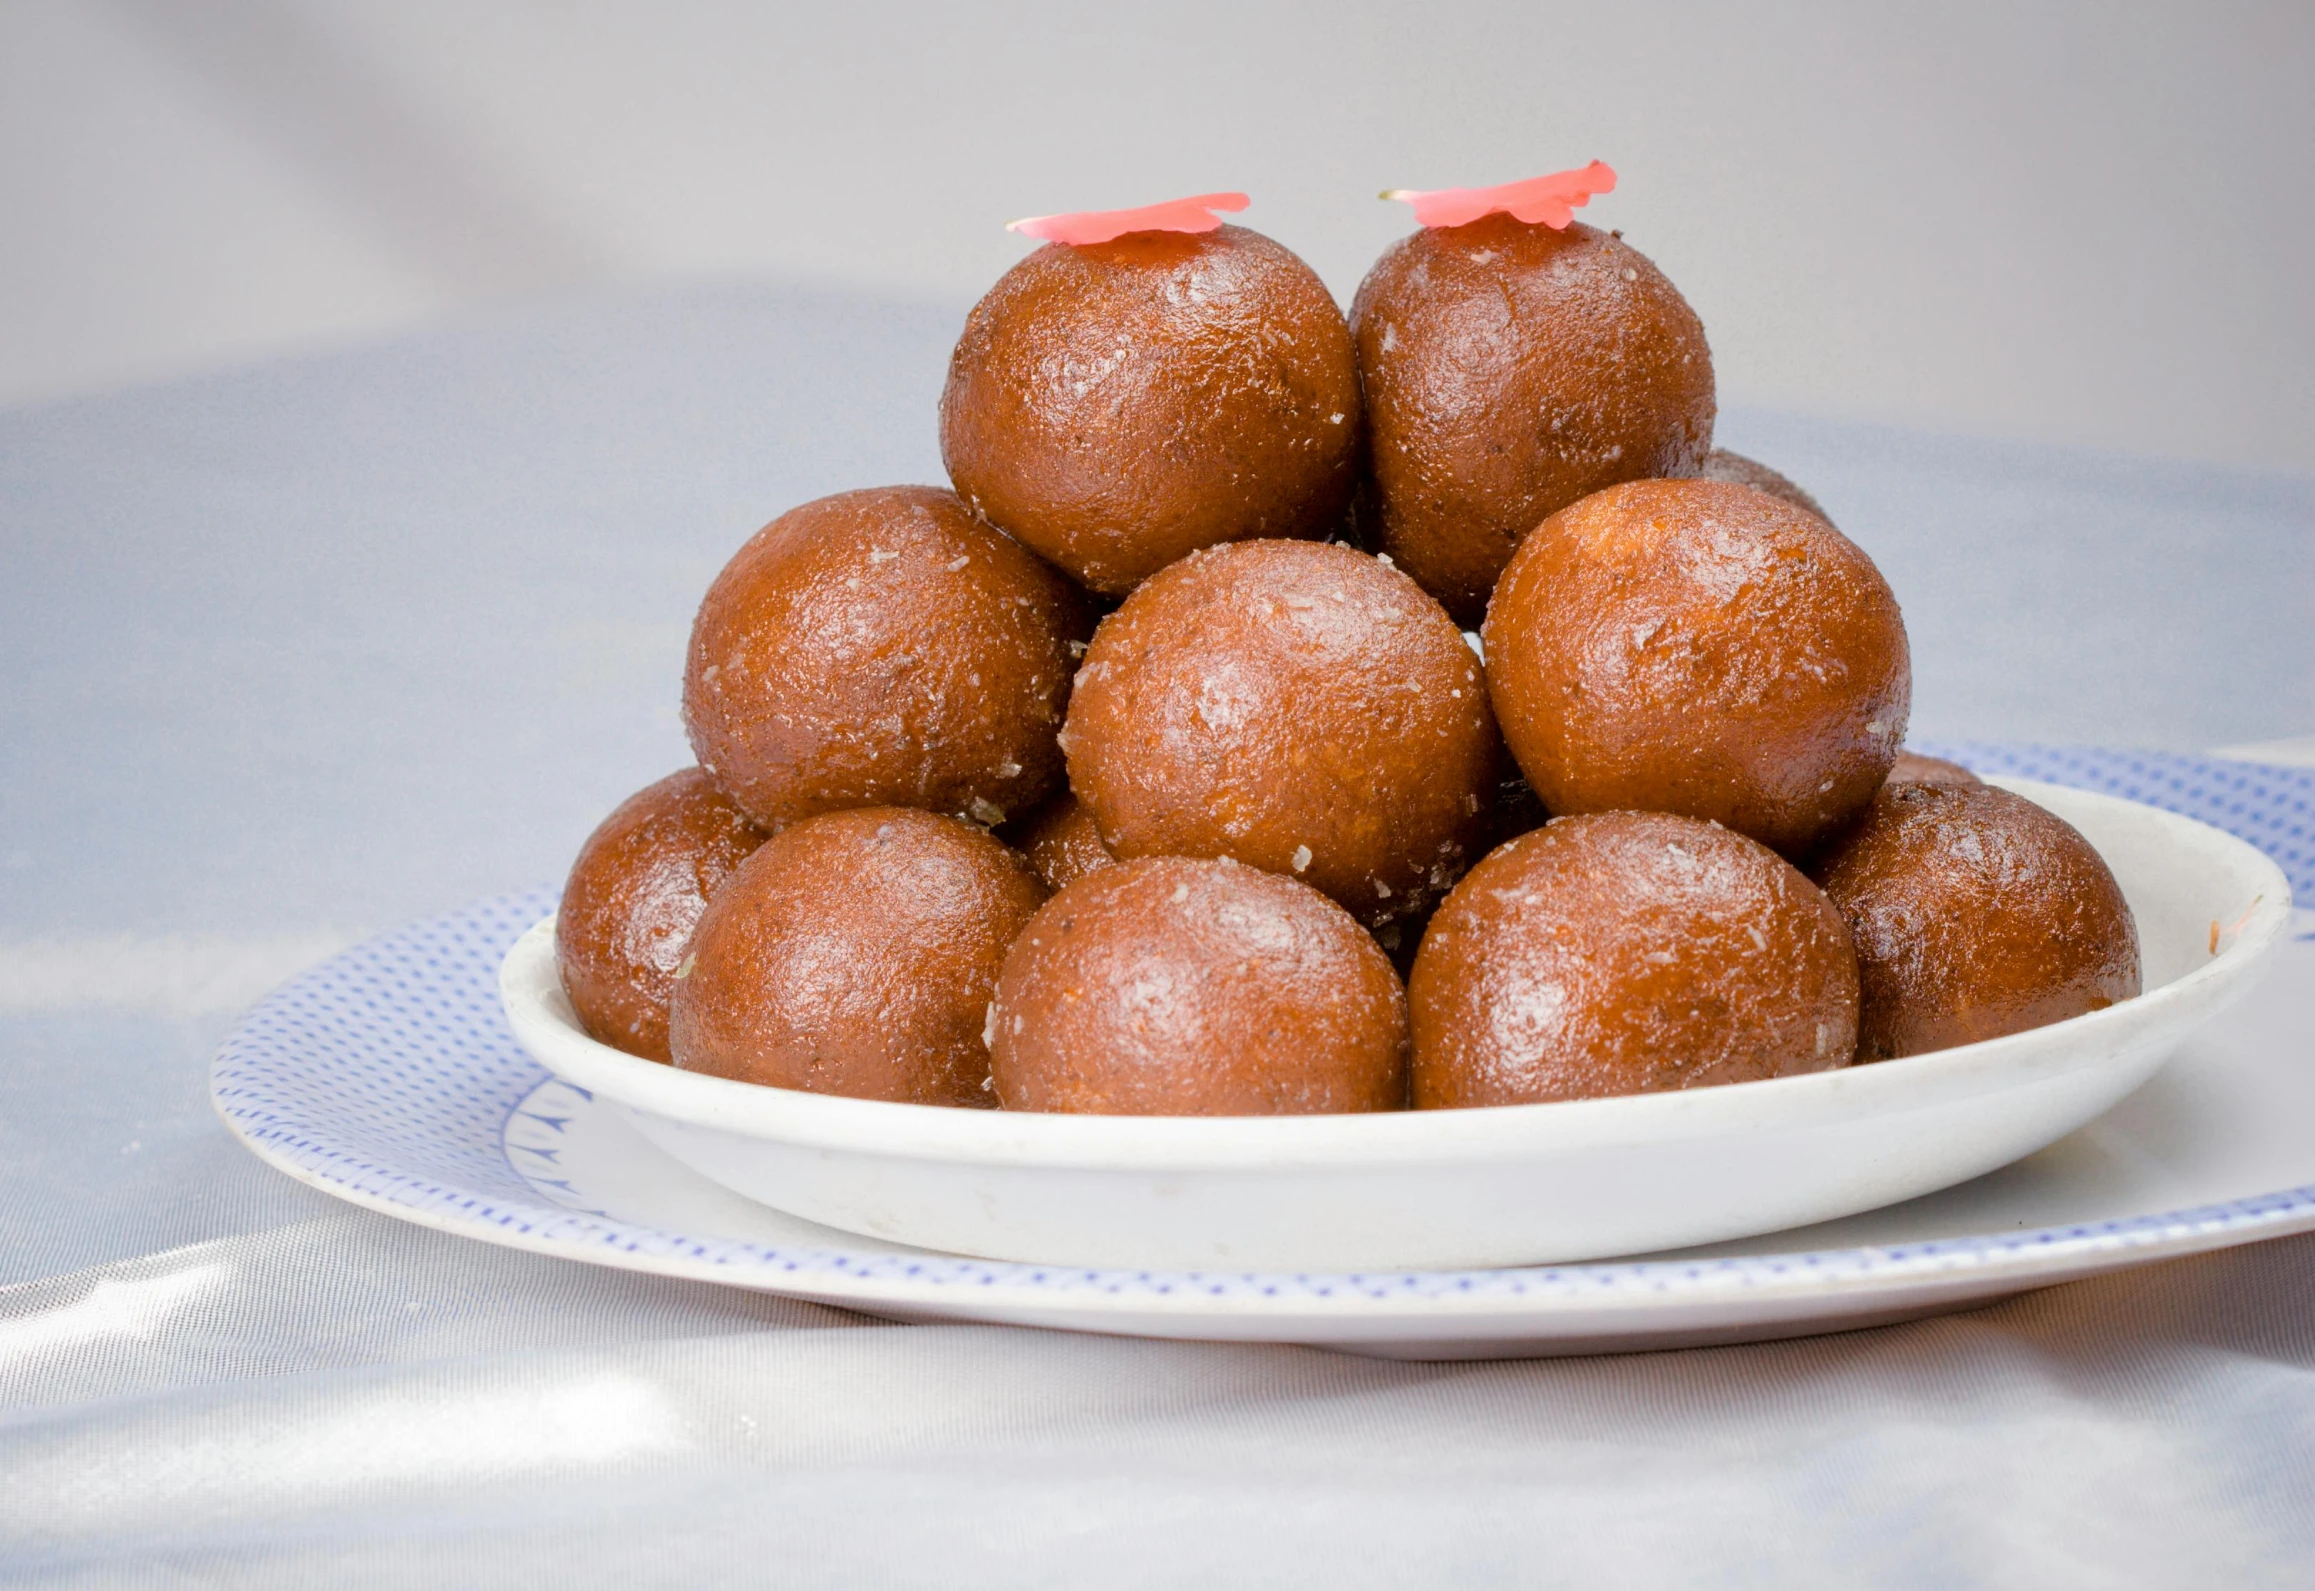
[(1131, 774)]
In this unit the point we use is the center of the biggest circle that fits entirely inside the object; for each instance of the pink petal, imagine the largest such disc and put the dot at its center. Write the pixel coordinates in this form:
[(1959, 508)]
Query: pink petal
[(1551, 200), (1099, 226)]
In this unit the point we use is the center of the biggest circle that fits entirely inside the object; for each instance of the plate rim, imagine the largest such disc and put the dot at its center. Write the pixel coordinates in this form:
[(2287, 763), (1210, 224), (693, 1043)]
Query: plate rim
[(531, 994), (1537, 1298), (1994, 1264)]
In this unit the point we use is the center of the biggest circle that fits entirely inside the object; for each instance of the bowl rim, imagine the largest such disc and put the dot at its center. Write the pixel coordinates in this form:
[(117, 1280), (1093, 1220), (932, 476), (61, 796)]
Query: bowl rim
[(539, 1012)]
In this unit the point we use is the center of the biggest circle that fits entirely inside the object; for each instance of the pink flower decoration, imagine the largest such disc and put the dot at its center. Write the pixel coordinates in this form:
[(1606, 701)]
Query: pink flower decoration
[(1550, 200), (1099, 226)]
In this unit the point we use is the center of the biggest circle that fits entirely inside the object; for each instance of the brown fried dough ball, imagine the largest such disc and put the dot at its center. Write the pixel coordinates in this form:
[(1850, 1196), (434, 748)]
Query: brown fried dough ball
[(854, 954), (1695, 647), (1062, 843), (1509, 369), (1912, 767), (633, 897), (882, 647), (1175, 986), (1975, 913), (1297, 706), (1117, 405), (1628, 953), (1722, 465)]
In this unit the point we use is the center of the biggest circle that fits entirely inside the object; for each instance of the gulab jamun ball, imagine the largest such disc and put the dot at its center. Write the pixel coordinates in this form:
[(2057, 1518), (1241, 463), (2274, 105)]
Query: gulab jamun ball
[(1175, 986), (634, 895), (1296, 706), (1508, 369), (1063, 844), (1913, 767), (882, 647), (1735, 468), (1701, 648), (854, 953), (1975, 913), (1117, 405), (1628, 953)]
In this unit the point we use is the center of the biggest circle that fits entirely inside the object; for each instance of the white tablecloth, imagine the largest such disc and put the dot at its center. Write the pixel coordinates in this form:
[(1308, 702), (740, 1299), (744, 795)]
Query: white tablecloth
[(297, 653)]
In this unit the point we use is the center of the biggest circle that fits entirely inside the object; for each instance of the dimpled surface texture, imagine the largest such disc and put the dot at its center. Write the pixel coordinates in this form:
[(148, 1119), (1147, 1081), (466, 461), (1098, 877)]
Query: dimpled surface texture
[(1975, 913), (1722, 465), (1120, 404), (634, 895), (882, 647), (1174, 986), (1701, 648), (1628, 953), (854, 954), (1062, 843), (1508, 370), (1296, 706)]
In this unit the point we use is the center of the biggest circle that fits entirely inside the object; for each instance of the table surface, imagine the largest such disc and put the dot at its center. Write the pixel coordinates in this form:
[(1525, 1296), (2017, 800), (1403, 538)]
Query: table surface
[(297, 653)]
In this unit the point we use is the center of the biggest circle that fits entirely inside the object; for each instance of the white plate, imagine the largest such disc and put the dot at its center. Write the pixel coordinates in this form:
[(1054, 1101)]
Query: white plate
[(387, 1077), (1460, 1189)]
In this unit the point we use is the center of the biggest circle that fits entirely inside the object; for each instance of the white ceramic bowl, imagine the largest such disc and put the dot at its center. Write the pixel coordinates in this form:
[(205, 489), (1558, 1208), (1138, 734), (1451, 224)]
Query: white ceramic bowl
[(1461, 1189)]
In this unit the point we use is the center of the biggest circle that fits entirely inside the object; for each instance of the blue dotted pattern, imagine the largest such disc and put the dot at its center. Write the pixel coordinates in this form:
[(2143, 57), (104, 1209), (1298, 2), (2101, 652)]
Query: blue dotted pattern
[(389, 1072)]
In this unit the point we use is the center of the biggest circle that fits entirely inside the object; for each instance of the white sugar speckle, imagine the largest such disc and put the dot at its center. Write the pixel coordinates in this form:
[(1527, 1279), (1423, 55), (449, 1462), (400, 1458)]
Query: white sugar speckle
[(1301, 859)]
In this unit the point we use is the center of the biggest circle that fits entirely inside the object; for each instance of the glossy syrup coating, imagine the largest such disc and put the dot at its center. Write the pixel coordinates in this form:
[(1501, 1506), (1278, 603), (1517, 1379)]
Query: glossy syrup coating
[(1722, 465), (1062, 842), (854, 953), (1628, 953), (1117, 405), (882, 647), (1509, 369), (1176, 986), (1296, 706), (1975, 913), (1912, 767), (1702, 648), (634, 895)]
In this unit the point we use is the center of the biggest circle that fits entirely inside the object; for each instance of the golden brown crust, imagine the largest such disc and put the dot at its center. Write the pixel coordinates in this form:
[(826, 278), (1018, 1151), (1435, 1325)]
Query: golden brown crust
[(1722, 465), (882, 647), (1118, 405), (634, 895), (1508, 370), (1975, 913), (1911, 767), (1180, 987), (1063, 844), (1696, 647), (1627, 953), (1295, 706), (854, 954)]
